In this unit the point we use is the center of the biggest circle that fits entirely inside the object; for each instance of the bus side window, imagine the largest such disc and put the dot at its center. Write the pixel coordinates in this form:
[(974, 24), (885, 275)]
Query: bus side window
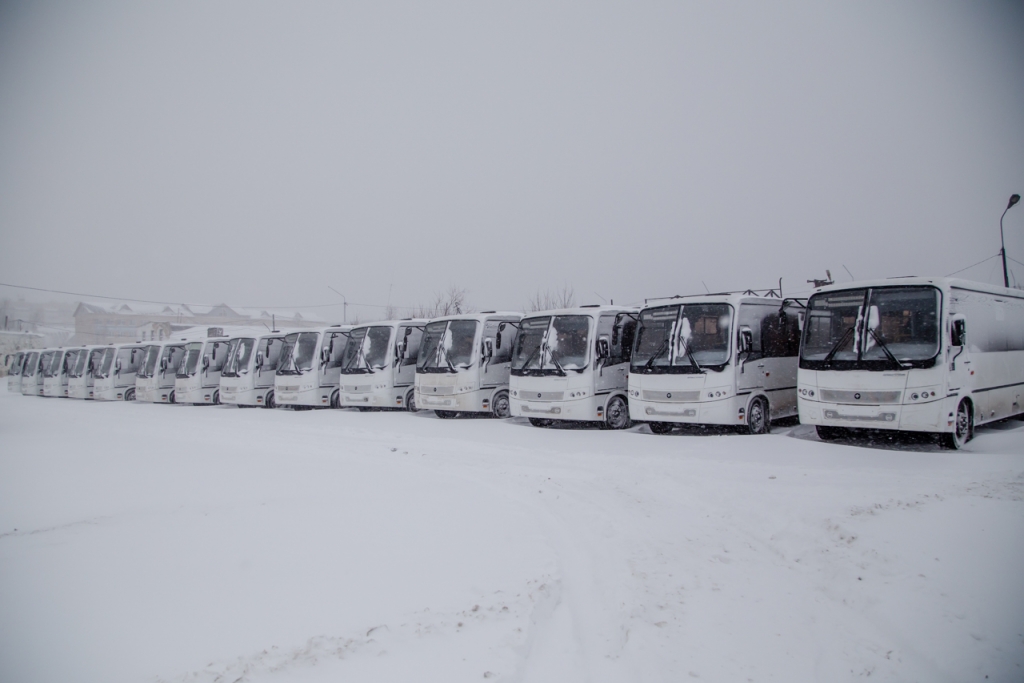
[(754, 317), (412, 349), (504, 354), (780, 335), (620, 339)]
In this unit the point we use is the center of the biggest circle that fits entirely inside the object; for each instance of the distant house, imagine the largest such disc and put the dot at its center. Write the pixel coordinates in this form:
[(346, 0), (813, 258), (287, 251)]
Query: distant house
[(103, 323)]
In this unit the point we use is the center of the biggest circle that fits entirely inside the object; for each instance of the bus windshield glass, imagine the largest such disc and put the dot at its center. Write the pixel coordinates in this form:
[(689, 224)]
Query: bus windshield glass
[(16, 364), (872, 329), (367, 349), (189, 364), (447, 346), (239, 356), (682, 339), (551, 345), (151, 354), (298, 353)]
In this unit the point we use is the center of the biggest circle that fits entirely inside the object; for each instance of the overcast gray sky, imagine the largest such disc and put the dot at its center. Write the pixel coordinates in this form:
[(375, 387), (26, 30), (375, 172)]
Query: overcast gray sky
[(257, 153)]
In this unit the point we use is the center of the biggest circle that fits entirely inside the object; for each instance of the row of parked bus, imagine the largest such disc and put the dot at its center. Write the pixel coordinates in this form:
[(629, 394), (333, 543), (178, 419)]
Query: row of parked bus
[(918, 354)]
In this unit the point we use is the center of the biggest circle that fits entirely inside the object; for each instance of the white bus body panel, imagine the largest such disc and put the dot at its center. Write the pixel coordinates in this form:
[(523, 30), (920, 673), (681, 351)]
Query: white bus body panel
[(31, 376), (56, 385), (160, 387), (80, 383), (202, 385), (472, 389), (988, 371), (119, 382), (722, 397), (390, 386), (316, 386), (254, 381), (14, 376), (579, 395)]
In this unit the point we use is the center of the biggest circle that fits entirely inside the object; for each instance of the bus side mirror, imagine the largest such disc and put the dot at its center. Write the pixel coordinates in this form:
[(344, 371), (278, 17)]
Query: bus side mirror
[(325, 355), (206, 362), (259, 359), (958, 332), (488, 348), (117, 367), (603, 348), (746, 340), (497, 335)]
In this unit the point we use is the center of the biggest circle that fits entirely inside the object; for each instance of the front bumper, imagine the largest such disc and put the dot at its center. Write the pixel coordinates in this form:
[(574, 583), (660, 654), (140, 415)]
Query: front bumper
[(724, 411), (589, 408), (929, 416)]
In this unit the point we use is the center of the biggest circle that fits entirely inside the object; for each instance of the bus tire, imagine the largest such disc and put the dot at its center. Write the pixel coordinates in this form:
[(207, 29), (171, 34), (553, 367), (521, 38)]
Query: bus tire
[(446, 414), (336, 399), (170, 399), (129, 395), (963, 427), (660, 427), (540, 422), (269, 402), (500, 406), (410, 401), (758, 417), (616, 414), (216, 397), (829, 433)]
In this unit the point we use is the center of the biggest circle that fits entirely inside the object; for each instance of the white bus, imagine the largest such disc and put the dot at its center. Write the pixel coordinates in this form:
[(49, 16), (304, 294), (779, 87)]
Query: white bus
[(14, 371), (80, 375), (154, 380), (571, 364), (459, 367), (114, 378), (248, 376), (917, 354), (197, 380), (55, 375), (726, 359), (308, 368), (32, 375), (378, 369)]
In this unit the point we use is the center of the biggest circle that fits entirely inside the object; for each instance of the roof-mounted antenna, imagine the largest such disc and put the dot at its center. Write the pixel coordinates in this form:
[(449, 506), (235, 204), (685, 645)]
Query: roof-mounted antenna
[(823, 283)]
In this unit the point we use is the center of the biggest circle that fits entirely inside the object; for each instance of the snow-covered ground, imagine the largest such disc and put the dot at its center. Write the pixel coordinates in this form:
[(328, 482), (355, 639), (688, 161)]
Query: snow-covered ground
[(170, 543)]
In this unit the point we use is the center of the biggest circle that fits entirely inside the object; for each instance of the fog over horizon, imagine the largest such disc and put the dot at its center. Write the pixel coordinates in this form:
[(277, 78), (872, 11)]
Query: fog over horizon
[(260, 155)]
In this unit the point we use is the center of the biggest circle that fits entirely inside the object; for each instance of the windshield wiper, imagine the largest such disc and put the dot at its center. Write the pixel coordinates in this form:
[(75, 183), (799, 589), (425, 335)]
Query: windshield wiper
[(885, 349), (689, 354), (559, 366), (661, 350), (835, 349), (530, 357)]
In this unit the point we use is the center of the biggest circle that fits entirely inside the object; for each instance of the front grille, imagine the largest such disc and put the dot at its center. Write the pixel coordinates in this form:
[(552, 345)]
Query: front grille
[(294, 387), (356, 388), (860, 397), (671, 396), (881, 417), (541, 395), (437, 391)]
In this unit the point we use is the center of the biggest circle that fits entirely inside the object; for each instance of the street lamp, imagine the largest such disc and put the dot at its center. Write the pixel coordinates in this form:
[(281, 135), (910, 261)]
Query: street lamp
[(1014, 198)]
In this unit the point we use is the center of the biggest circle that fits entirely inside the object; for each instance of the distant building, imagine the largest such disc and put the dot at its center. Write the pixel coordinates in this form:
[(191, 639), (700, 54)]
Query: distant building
[(103, 323)]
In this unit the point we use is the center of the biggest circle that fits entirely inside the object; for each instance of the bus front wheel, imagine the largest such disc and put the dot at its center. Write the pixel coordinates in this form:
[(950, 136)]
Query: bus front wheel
[(963, 428), (757, 416), (660, 427)]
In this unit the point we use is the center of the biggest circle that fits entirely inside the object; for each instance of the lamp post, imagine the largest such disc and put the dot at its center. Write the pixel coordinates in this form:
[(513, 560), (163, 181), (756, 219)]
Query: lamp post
[(1014, 198), (344, 308)]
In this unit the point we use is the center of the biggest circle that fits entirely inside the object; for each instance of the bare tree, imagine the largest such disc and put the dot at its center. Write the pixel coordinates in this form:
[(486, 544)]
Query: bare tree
[(449, 302), (548, 299)]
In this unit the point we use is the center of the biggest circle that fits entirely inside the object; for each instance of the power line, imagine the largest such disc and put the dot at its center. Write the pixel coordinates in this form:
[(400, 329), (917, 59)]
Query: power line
[(974, 264)]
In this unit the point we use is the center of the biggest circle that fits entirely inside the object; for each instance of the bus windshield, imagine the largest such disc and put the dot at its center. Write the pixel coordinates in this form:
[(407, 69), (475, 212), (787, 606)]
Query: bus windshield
[(367, 349), (872, 329), (682, 339), (148, 364), (189, 364), (447, 346), (239, 355), (550, 345)]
